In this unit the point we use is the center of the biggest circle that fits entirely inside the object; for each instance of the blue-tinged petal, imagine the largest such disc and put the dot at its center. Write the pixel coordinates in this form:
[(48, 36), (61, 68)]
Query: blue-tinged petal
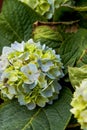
[(47, 92), (4, 75), (3, 63), (33, 85), (29, 69), (31, 72), (31, 105), (32, 68), (52, 8), (33, 77), (21, 99), (50, 76), (11, 89), (54, 73), (30, 41), (7, 50), (24, 69), (43, 47), (0, 77), (49, 15), (18, 46), (56, 86), (45, 64), (58, 58), (28, 87)]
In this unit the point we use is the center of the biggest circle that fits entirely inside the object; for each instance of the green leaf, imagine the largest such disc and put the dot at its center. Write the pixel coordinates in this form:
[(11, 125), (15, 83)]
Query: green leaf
[(83, 59), (76, 75), (48, 35), (52, 117), (73, 48), (16, 22)]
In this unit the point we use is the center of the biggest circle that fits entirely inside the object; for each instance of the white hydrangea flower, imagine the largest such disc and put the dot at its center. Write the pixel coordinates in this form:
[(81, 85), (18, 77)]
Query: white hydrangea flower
[(79, 104), (30, 74)]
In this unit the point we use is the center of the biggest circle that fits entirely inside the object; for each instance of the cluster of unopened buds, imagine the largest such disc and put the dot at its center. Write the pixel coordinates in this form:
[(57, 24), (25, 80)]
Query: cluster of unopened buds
[(30, 72)]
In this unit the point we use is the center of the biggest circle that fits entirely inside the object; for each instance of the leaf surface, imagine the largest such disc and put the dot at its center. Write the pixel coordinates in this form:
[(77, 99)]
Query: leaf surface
[(47, 35), (16, 22), (77, 75), (74, 48), (52, 117)]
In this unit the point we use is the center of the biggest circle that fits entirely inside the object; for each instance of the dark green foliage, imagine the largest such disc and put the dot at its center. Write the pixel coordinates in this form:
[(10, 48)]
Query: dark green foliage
[(52, 117)]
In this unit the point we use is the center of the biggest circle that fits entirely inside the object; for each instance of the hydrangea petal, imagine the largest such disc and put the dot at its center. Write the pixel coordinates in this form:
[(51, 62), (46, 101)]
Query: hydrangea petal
[(47, 92), (79, 104), (41, 101), (6, 51), (31, 105), (45, 65), (17, 46)]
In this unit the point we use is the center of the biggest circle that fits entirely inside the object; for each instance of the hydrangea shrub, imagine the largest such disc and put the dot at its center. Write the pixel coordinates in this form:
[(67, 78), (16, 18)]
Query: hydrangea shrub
[(30, 72)]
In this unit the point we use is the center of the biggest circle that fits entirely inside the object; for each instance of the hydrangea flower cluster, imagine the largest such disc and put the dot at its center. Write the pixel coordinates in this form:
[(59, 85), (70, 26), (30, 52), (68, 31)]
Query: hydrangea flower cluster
[(44, 7), (30, 72), (79, 104)]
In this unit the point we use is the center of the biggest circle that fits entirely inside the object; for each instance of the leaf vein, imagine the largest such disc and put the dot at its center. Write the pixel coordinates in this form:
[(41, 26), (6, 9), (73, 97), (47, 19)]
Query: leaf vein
[(12, 28), (32, 118), (47, 119)]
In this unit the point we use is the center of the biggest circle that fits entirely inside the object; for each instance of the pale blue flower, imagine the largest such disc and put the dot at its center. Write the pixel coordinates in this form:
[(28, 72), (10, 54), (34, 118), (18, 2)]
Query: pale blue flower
[(31, 72)]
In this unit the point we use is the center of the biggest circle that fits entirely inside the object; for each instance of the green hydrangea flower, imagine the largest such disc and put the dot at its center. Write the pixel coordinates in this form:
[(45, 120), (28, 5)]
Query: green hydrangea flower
[(45, 7), (30, 74), (79, 104)]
